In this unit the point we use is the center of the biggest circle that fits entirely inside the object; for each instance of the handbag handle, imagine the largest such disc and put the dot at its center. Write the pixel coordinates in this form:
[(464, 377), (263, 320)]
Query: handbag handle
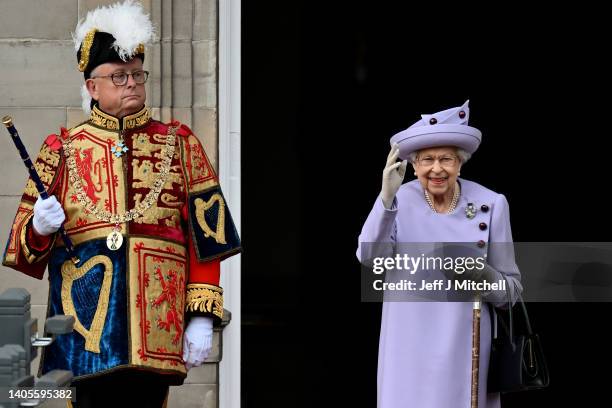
[(511, 321)]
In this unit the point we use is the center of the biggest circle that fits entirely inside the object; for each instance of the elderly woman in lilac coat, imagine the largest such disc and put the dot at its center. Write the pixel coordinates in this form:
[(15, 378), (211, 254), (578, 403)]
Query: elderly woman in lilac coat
[(425, 347)]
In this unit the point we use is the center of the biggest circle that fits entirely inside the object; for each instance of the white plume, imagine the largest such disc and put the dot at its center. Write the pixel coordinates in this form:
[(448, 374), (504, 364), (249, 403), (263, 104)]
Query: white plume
[(126, 21)]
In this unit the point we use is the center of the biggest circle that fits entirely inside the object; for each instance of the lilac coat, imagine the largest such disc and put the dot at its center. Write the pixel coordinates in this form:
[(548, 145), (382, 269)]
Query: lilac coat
[(424, 358)]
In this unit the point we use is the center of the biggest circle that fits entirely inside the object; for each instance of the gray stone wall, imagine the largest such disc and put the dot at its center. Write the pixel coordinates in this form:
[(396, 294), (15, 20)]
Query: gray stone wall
[(40, 89)]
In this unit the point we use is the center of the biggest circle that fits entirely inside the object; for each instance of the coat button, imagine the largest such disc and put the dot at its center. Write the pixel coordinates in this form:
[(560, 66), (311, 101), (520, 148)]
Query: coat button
[(461, 114), (433, 121), (482, 226), (481, 244), (484, 208)]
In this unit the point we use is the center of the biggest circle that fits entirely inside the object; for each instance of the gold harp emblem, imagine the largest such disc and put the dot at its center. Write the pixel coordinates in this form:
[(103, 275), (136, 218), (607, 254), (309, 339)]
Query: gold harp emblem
[(69, 274), (201, 207)]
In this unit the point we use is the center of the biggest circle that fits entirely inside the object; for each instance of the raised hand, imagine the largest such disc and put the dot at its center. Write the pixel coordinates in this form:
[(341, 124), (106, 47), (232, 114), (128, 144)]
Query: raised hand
[(393, 175)]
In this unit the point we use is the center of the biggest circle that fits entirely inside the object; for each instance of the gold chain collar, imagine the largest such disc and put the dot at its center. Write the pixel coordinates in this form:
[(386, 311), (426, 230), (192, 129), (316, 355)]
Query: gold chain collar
[(139, 210)]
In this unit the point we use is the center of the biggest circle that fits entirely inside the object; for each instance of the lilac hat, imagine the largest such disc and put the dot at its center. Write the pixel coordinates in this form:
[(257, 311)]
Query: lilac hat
[(445, 128)]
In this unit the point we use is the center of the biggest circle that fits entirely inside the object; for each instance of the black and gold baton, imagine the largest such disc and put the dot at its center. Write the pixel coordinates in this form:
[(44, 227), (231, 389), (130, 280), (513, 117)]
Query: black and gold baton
[(8, 122)]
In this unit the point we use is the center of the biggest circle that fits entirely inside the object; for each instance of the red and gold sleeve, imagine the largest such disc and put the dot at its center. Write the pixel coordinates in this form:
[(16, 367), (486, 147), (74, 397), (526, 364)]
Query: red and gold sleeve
[(212, 233), (26, 251)]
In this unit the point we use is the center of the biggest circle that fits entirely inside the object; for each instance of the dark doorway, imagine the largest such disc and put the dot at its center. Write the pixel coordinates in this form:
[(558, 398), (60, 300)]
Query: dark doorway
[(325, 85)]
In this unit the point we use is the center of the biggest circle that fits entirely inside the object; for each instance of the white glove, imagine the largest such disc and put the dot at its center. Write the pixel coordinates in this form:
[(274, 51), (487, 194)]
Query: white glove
[(393, 175), (48, 216), (197, 341)]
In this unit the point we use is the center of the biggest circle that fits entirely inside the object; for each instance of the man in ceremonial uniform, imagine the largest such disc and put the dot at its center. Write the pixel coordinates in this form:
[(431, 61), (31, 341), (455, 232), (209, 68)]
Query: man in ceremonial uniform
[(149, 223)]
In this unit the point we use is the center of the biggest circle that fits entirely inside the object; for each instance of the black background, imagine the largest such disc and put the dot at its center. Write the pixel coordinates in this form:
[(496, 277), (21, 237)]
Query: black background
[(324, 87)]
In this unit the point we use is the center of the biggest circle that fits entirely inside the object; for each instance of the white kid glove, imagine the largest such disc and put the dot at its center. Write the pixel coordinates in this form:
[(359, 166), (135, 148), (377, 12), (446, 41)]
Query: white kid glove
[(197, 341), (48, 216), (393, 175)]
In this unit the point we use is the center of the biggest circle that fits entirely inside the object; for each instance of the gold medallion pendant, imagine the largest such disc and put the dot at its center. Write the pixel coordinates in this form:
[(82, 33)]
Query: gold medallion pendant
[(114, 240)]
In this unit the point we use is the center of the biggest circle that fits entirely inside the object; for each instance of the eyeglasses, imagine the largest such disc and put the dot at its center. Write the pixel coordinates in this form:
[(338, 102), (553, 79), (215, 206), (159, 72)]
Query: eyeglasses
[(445, 161), (121, 78)]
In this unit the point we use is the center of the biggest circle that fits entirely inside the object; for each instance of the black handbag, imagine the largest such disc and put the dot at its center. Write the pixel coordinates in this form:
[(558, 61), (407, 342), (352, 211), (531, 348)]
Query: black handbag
[(517, 361)]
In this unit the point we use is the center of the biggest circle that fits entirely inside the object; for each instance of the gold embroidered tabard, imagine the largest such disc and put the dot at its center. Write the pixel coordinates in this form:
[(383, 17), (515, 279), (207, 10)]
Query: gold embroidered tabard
[(157, 302)]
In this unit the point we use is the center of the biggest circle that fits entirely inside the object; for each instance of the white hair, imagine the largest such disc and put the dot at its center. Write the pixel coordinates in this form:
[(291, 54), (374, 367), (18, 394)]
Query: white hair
[(462, 154), (85, 100), (85, 96)]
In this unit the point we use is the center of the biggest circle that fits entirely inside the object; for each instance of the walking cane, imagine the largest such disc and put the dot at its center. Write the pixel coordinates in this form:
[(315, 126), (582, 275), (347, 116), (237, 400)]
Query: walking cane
[(8, 122), (475, 349)]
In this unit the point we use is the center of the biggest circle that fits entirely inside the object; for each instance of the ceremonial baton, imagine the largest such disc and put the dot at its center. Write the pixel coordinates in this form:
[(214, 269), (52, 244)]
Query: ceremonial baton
[(8, 122)]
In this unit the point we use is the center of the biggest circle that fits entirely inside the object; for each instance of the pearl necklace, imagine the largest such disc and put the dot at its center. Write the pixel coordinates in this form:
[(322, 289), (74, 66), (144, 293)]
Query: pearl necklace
[(453, 203)]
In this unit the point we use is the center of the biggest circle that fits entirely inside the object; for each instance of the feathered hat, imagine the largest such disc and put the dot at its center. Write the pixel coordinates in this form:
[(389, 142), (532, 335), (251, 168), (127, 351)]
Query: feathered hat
[(445, 128), (118, 32)]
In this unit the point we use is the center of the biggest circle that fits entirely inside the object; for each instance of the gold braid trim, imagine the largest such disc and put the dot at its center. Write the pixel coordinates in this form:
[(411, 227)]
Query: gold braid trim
[(85, 48), (202, 297), (27, 252)]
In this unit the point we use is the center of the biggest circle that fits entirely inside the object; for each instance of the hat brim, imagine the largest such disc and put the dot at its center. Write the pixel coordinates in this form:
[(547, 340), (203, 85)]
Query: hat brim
[(424, 137)]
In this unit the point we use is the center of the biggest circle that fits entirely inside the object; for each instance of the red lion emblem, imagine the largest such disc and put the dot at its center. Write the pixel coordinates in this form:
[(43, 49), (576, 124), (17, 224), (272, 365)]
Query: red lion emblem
[(170, 289), (85, 166)]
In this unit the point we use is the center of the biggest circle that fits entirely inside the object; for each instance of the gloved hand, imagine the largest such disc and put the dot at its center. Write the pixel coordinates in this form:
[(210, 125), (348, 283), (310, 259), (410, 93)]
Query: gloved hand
[(487, 273), (197, 341), (48, 216), (393, 175)]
